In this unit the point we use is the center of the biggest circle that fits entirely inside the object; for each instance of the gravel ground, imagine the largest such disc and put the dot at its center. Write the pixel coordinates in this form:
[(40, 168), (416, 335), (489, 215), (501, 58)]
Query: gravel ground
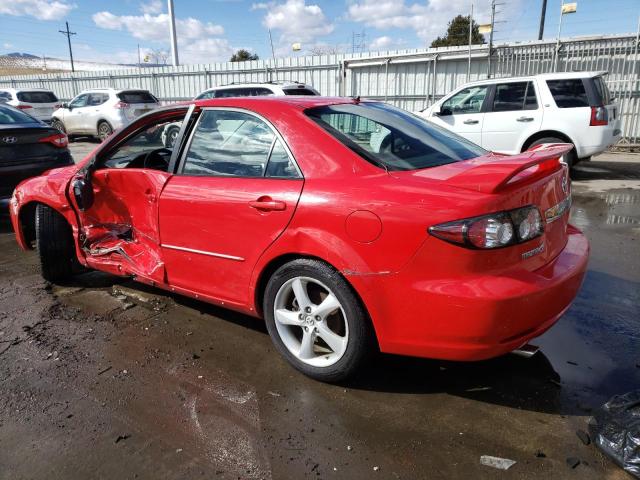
[(105, 378)]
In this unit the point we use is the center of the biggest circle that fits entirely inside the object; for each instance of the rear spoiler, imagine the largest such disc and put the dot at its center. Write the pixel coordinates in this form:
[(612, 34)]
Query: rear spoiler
[(492, 174)]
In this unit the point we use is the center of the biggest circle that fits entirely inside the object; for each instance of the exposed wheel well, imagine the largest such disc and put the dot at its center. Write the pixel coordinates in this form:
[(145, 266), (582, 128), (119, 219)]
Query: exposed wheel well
[(277, 262), (102, 120), (542, 134), (27, 221)]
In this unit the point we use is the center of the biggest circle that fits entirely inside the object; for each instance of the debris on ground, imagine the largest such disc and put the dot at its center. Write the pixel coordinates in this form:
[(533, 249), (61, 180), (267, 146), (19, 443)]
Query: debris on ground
[(583, 436), (375, 469), (573, 462), (122, 437), (497, 462), (615, 429), (540, 454)]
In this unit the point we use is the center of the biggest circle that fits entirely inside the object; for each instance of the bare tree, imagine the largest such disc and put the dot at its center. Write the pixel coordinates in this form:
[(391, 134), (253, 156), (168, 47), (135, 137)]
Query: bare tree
[(159, 57), (325, 50)]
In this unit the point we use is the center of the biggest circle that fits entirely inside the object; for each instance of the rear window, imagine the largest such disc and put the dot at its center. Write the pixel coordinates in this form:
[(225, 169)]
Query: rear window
[(10, 116), (141, 96), (299, 91), (569, 93), (602, 91), (392, 138), (37, 97)]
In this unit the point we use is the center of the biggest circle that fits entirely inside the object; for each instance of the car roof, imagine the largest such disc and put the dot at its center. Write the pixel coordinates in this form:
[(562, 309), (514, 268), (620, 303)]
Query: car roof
[(35, 89), (292, 101), (280, 83), (542, 76), (113, 90)]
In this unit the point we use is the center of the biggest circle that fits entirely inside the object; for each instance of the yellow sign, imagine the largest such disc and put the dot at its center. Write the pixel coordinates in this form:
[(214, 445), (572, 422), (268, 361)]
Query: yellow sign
[(569, 7), (296, 47), (485, 28)]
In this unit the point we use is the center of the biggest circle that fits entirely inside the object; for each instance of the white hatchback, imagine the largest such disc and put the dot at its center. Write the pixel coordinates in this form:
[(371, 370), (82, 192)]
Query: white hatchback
[(510, 115), (37, 102)]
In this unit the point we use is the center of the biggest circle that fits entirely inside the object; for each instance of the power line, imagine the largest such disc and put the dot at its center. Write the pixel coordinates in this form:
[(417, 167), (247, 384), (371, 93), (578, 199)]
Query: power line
[(68, 34)]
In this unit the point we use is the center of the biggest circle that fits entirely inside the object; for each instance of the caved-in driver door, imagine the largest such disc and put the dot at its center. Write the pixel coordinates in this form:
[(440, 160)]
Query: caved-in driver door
[(117, 204)]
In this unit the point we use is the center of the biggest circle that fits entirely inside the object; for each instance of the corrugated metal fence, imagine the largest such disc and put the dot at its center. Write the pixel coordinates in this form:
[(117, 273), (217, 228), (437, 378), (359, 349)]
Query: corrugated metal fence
[(411, 79)]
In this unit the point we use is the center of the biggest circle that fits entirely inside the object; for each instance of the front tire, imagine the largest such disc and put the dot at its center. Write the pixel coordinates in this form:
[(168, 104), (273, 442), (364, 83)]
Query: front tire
[(104, 130), (316, 321), (54, 243)]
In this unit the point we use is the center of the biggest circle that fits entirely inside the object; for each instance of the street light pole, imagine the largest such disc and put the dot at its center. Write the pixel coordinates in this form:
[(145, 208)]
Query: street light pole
[(542, 15), (174, 38), (557, 52), (470, 38)]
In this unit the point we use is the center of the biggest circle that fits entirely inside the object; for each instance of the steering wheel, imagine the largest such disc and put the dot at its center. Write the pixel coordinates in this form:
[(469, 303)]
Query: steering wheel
[(157, 159)]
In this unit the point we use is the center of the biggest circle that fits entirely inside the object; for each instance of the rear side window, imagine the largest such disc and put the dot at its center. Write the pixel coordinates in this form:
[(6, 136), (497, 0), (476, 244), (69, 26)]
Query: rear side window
[(236, 144), (299, 91), (137, 96), (569, 93), (37, 97), (515, 96), (604, 96), (10, 116), (97, 99), (392, 138)]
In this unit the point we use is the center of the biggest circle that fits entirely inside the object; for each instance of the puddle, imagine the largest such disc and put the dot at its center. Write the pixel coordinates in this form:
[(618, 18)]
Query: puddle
[(616, 207)]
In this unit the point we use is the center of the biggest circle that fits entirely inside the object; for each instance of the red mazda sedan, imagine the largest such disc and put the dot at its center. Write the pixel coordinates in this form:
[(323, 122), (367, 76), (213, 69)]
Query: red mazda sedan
[(348, 225)]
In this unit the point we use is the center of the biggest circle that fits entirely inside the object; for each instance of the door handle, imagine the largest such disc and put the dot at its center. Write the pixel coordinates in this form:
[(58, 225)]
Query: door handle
[(524, 119), (266, 204), (470, 122)]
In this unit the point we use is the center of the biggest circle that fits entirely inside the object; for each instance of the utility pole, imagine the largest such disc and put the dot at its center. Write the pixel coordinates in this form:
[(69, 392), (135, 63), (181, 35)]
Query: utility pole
[(493, 21), (470, 39), (542, 15), (174, 38), (68, 34)]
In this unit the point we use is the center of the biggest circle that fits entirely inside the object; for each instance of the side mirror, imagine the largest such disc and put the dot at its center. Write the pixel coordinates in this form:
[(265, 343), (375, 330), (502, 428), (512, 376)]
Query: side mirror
[(444, 112), (83, 193), (64, 105)]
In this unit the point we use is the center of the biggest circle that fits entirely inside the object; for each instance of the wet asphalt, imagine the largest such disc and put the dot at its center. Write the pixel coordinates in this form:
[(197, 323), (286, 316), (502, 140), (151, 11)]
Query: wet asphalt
[(105, 378)]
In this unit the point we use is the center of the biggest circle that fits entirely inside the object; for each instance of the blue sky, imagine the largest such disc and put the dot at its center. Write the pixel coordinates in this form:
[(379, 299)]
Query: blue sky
[(210, 30)]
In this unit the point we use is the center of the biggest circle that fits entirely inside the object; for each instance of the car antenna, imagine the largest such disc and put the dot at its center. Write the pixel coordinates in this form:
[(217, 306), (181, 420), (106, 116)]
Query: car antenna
[(356, 99)]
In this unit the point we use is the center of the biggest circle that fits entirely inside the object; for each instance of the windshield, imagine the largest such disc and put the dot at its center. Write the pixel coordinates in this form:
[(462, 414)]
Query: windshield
[(9, 115), (392, 138)]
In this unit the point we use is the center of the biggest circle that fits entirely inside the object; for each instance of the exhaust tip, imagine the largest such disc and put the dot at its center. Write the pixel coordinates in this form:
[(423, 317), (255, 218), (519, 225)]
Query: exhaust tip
[(526, 351)]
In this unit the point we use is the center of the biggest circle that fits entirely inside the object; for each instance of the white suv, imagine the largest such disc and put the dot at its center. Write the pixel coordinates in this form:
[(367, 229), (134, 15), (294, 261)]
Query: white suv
[(101, 111), (37, 102), (510, 115), (258, 89)]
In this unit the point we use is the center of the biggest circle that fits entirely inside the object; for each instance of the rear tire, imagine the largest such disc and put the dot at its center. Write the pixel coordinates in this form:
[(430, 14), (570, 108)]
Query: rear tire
[(345, 324), (58, 125), (104, 130), (570, 158), (54, 242)]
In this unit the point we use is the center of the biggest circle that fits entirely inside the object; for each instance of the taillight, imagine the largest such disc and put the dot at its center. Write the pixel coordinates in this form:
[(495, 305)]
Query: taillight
[(24, 107), (599, 116), (59, 140), (492, 231), (122, 105)]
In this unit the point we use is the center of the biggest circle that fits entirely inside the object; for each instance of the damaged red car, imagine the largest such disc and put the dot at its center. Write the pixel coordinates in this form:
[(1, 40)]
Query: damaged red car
[(349, 226)]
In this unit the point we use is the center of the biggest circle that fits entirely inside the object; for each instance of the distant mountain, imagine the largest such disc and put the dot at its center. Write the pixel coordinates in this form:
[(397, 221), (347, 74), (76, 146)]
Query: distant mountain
[(20, 55)]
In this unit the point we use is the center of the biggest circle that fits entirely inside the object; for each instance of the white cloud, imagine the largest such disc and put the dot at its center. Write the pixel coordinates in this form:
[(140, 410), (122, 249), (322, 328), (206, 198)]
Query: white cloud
[(152, 7), (428, 19), (40, 9), (7, 45), (196, 39), (295, 20), (383, 43), (156, 27)]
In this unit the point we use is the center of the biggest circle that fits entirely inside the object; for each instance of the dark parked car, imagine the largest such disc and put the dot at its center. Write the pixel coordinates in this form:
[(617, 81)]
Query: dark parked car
[(28, 148)]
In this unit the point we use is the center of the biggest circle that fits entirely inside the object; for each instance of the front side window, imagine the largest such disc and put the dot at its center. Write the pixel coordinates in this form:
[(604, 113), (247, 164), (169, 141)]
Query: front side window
[(392, 138), (515, 96), (233, 92), (206, 95), (150, 147), (232, 143), (467, 100), (79, 101), (568, 93)]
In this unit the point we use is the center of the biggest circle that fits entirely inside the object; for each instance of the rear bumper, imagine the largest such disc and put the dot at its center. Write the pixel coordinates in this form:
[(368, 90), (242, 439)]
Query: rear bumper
[(600, 139), (476, 317)]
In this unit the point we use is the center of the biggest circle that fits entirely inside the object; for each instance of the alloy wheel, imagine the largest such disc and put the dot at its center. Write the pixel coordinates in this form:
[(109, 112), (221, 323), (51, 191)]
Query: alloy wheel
[(311, 321)]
